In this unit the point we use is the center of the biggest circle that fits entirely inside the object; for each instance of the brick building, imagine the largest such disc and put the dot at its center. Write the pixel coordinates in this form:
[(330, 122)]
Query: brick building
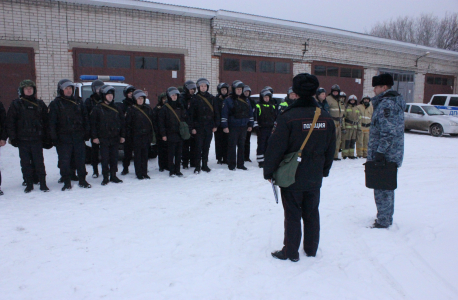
[(157, 45)]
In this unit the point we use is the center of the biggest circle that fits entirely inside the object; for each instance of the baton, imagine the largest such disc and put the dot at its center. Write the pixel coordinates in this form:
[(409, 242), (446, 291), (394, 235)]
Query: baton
[(275, 189)]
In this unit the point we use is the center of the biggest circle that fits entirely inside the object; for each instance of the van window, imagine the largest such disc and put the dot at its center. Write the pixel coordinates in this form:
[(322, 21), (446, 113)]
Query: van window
[(407, 108), (439, 100), (453, 101), (416, 110)]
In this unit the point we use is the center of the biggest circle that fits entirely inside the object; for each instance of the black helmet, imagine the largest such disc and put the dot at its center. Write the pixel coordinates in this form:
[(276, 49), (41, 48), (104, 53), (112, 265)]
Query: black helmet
[(62, 84), (320, 91), (247, 88), (95, 85), (268, 88), (105, 90), (265, 92), (137, 94), (335, 87), (172, 91), (221, 86), (202, 81), (128, 89), (189, 85), (237, 84)]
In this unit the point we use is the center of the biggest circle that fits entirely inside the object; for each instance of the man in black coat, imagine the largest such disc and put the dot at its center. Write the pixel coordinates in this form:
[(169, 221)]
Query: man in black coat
[(162, 160), (247, 93), (69, 128), (221, 138), (128, 144), (301, 199), (27, 126), (189, 146), (107, 129)]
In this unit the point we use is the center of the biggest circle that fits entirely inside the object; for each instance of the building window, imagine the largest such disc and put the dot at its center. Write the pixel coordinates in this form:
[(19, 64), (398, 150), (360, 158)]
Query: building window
[(14, 58), (145, 62), (450, 81), (320, 71), (231, 64), (345, 72), (90, 60), (332, 71), (169, 64), (267, 67), (356, 73), (437, 80), (118, 61), (248, 65), (282, 67), (430, 80)]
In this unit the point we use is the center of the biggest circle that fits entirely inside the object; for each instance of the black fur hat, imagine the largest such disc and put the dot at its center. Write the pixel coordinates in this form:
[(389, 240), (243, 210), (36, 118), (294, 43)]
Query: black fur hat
[(305, 84), (382, 79)]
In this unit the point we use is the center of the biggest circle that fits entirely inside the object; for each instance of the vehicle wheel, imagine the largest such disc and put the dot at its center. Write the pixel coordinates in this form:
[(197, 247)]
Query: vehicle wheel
[(436, 130)]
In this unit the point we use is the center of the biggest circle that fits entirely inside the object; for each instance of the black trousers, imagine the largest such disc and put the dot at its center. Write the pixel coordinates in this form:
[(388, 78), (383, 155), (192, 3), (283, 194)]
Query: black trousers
[(174, 150), (203, 139), (221, 141), (141, 146), (263, 137), (72, 156), (188, 151), (236, 146), (128, 149), (297, 205), (31, 155), (247, 145), (109, 153), (95, 151), (163, 159)]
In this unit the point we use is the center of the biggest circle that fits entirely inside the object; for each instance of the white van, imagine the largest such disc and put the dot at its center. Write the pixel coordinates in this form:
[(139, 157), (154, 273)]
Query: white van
[(448, 103)]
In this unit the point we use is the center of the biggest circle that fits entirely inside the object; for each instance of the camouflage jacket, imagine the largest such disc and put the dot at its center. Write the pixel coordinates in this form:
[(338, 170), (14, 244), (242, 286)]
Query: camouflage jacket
[(387, 128)]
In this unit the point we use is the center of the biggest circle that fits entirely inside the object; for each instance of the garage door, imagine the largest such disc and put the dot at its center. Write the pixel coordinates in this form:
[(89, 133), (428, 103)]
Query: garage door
[(437, 84), (348, 77), (16, 64), (257, 72), (153, 72)]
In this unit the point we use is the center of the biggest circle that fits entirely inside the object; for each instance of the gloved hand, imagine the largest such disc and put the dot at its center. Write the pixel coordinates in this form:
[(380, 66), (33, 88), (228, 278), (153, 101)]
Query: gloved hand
[(380, 159)]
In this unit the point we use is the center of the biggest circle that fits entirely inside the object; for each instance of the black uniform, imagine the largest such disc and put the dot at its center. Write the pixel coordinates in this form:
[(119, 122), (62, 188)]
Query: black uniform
[(264, 117), (203, 118), (248, 134), (69, 127), (128, 144), (139, 130), (301, 199), (90, 103), (169, 126), (189, 146), (221, 138), (107, 125), (27, 127), (3, 134), (163, 161)]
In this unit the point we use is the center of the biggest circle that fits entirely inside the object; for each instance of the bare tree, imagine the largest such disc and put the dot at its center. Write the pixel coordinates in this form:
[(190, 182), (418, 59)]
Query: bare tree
[(427, 30)]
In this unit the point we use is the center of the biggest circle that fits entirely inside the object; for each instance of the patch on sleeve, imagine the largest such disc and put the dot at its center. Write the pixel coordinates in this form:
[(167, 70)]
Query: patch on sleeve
[(386, 112)]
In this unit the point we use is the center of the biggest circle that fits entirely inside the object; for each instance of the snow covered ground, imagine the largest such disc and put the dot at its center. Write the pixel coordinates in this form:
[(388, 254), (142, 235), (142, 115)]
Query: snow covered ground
[(210, 236)]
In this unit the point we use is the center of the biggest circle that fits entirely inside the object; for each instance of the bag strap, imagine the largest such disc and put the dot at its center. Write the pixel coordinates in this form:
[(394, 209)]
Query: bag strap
[(169, 107), (206, 101), (244, 102), (315, 118), (144, 115), (29, 101), (113, 109)]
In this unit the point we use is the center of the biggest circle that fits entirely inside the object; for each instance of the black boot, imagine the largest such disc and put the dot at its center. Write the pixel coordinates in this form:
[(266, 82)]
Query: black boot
[(205, 167), (67, 185), (83, 183), (61, 180), (125, 171), (105, 180), (115, 179), (73, 177), (280, 255), (146, 177), (36, 180), (96, 171), (43, 186), (29, 185), (197, 170)]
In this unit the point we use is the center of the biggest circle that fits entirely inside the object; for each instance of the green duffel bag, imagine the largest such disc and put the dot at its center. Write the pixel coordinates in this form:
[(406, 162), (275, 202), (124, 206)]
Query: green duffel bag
[(285, 175), (184, 131)]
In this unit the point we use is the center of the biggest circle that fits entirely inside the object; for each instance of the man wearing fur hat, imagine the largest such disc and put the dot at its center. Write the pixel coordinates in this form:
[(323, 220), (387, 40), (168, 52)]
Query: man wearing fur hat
[(301, 199), (386, 140)]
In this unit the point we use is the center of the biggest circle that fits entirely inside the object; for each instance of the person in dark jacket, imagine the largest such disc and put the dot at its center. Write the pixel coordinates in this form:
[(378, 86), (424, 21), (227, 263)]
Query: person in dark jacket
[(69, 128), (108, 130), (163, 160), (204, 122), (139, 128), (237, 119), (128, 144), (170, 117), (189, 146), (265, 115), (221, 138), (289, 99), (27, 127), (320, 97), (247, 93), (301, 199), (3, 135), (90, 103)]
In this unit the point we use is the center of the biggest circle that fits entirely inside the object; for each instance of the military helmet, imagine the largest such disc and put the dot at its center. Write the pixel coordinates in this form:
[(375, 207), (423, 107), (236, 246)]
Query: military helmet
[(221, 86), (137, 94), (172, 91), (128, 89), (202, 81), (335, 87), (268, 88), (320, 91), (159, 98), (247, 88), (188, 86), (266, 92), (237, 84), (105, 90), (27, 83), (95, 85), (63, 84)]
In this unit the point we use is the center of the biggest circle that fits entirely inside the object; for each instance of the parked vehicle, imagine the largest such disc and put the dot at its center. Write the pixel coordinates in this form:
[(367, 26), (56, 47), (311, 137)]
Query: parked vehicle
[(425, 117), (448, 103), (278, 98)]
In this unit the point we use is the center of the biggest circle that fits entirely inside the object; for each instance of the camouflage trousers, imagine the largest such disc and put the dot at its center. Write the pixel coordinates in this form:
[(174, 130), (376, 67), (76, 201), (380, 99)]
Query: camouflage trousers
[(362, 141), (384, 200)]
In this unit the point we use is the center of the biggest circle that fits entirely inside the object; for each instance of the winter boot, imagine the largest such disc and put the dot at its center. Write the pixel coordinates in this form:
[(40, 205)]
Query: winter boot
[(43, 186), (125, 171), (105, 180), (197, 170), (61, 180), (146, 177), (172, 174), (83, 183), (67, 185), (282, 256), (205, 167), (377, 225), (36, 180), (1, 193), (29, 185), (179, 174), (242, 168), (96, 171), (115, 179), (73, 177)]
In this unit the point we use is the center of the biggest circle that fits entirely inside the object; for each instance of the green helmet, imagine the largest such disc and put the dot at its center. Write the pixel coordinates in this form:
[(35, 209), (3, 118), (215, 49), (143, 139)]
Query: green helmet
[(27, 83)]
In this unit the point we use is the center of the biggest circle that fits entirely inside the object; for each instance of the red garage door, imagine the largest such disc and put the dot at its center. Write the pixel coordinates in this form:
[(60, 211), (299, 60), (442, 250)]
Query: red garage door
[(16, 64), (257, 72), (437, 84), (348, 77), (154, 72)]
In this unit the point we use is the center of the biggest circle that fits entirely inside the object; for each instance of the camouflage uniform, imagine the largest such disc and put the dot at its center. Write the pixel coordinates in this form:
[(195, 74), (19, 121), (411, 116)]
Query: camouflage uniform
[(352, 125), (387, 136), (362, 138), (336, 110)]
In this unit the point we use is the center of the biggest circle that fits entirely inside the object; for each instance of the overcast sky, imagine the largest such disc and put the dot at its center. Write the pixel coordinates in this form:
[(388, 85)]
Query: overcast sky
[(353, 15)]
